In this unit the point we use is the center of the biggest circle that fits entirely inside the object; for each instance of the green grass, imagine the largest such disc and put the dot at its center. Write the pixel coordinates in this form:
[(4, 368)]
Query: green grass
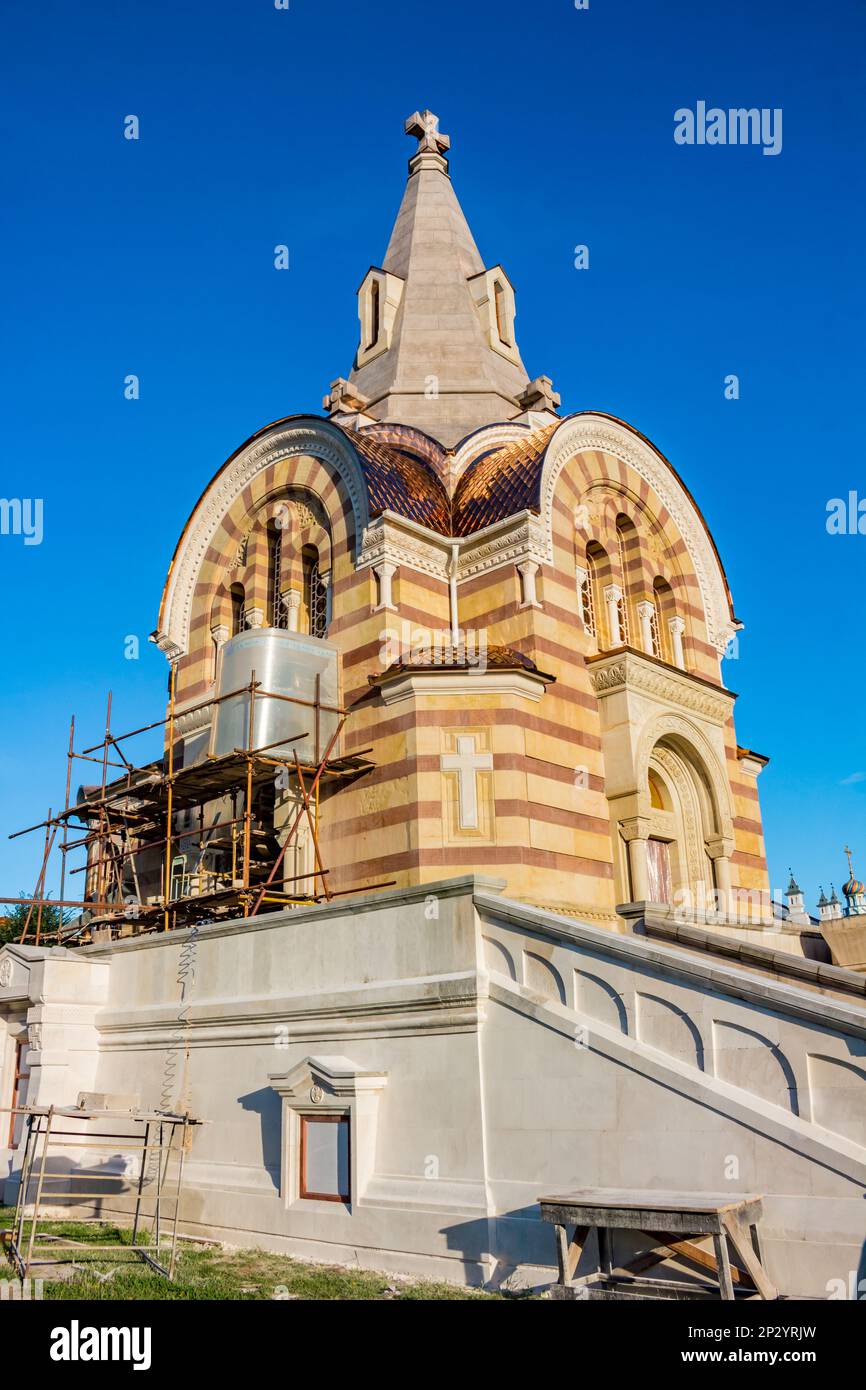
[(210, 1272)]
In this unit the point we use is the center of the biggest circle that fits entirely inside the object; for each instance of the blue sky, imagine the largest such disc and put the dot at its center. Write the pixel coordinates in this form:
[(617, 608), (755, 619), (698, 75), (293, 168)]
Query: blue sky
[(261, 126)]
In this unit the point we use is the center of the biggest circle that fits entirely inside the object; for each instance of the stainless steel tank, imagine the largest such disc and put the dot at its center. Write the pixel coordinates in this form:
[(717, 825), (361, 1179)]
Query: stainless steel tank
[(285, 663)]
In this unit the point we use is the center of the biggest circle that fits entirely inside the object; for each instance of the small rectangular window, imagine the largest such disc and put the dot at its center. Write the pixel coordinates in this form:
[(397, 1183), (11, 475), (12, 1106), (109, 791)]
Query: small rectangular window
[(325, 1158)]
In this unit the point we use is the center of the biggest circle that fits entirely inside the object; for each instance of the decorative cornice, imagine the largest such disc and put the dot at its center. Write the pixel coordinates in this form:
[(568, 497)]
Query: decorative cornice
[(167, 646), (586, 433), (515, 541), (334, 1076), (411, 684), (185, 725), (390, 540), (632, 672), (520, 539)]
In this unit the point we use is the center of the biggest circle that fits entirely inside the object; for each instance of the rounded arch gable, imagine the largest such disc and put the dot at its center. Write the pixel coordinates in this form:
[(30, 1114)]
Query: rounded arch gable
[(595, 433), (695, 749), (243, 472)]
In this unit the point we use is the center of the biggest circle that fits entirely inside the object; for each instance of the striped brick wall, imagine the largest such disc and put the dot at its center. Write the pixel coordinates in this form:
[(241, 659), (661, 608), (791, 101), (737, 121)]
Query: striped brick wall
[(544, 818)]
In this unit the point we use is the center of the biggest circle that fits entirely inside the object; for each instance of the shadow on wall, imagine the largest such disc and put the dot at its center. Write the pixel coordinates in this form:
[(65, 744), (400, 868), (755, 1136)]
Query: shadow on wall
[(66, 1183), (509, 1244), (267, 1105)]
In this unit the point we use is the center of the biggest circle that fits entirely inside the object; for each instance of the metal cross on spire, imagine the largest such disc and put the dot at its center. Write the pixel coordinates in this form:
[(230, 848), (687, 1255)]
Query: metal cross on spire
[(426, 126), (850, 865)]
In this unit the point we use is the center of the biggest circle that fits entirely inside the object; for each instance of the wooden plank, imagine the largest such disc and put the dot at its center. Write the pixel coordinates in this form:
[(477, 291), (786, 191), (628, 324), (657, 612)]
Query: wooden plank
[(749, 1259), (726, 1287), (683, 1223), (669, 1247), (644, 1198), (605, 1249), (568, 1252)]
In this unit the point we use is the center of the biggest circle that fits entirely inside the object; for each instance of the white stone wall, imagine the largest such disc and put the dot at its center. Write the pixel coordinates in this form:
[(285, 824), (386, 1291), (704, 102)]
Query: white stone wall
[(488, 1053)]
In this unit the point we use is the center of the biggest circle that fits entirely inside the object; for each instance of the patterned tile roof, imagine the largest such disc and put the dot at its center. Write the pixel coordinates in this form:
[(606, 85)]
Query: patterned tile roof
[(459, 658), (500, 484), (403, 484), (496, 485)]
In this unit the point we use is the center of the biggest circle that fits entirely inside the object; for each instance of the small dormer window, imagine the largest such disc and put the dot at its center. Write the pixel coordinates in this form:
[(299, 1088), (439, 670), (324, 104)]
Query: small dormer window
[(494, 303), (378, 301)]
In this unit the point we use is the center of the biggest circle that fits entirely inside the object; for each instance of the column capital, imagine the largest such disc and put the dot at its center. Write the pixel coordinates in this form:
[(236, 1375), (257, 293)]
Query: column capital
[(635, 828)]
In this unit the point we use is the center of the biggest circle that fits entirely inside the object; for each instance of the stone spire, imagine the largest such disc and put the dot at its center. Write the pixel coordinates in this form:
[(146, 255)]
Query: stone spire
[(437, 347)]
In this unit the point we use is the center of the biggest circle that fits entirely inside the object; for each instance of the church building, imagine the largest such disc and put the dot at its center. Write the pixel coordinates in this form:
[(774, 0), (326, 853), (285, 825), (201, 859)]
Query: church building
[(450, 889), (525, 609)]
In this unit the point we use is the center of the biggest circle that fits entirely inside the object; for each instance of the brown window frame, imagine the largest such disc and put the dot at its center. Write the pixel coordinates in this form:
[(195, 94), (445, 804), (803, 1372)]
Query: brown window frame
[(303, 1191)]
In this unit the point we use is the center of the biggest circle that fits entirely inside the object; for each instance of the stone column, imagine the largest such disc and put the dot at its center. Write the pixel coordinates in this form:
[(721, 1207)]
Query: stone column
[(528, 571), (255, 617), (220, 635), (676, 627), (292, 600), (645, 614), (636, 833), (385, 574), (720, 849), (613, 598)]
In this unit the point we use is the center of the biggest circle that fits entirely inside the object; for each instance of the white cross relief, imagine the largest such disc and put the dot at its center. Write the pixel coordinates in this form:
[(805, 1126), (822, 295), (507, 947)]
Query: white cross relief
[(466, 762)]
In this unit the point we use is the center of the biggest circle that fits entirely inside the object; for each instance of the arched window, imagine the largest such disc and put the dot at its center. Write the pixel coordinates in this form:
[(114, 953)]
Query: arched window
[(501, 311), (628, 549), (315, 594), (670, 627), (588, 590), (659, 801), (237, 598), (278, 613), (655, 630), (374, 314)]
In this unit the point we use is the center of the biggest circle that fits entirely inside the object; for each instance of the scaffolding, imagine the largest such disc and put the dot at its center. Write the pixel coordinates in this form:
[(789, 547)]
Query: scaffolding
[(120, 820), (157, 1145)]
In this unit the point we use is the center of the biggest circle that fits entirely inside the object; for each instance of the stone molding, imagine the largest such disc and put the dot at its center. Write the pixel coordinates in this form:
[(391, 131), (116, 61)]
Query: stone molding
[(630, 671), (198, 719), (390, 539), (336, 1076), (518, 540), (413, 685)]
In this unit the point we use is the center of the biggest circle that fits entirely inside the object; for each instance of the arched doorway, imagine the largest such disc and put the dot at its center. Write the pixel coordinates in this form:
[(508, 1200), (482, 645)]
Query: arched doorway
[(683, 841)]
